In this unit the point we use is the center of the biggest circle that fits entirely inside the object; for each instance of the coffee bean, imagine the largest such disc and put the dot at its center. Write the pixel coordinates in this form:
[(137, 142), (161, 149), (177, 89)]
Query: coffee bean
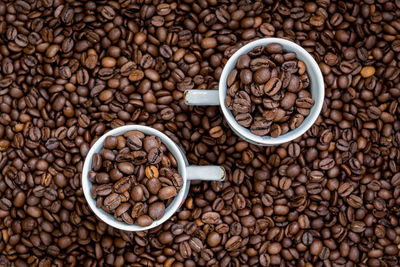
[(154, 156), (233, 243), (354, 201), (304, 102), (167, 192), (243, 62), (185, 250), (274, 48), (122, 185), (126, 167), (153, 185), (345, 189), (216, 132), (326, 164), (307, 238), (195, 244), (19, 199), (112, 201), (367, 71), (316, 247), (156, 210), (102, 177), (122, 209), (134, 142), (241, 105), (275, 130), (110, 142), (256, 89), (137, 193), (136, 75), (97, 162), (144, 220), (210, 218), (103, 190), (272, 86), (274, 248), (260, 127), (262, 75), (246, 76)]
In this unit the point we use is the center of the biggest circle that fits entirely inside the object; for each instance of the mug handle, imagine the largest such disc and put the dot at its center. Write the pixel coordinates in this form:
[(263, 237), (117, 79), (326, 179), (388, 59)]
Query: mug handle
[(205, 173), (201, 97)]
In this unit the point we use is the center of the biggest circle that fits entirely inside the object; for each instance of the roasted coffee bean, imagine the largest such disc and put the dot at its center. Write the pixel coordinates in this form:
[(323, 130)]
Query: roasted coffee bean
[(262, 75), (196, 244), (305, 102), (112, 201), (137, 193), (216, 132), (153, 185), (151, 171), (233, 243), (307, 238), (134, 142), (275, 130), (144, 220), (274, 49), (103, 190), (122, 185), (110, 142), (210, 218), (326, 164), (154, 156), (270, 86), (156, 210), (126, 167), (185, 250), (102, 178), (260, 127), (244, 119), (167, 192), (97, 162), (345, 189)]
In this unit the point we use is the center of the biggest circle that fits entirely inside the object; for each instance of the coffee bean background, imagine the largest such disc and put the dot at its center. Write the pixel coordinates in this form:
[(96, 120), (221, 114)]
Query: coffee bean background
[(72, 70)]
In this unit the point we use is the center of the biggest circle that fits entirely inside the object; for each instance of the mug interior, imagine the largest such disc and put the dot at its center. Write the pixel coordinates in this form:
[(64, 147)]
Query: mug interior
[(87, 184), (316, 90)]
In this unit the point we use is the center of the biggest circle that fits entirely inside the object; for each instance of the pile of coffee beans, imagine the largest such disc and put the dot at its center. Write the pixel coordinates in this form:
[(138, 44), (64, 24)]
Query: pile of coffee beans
[(72, 70), (134, 178), (268, 91)]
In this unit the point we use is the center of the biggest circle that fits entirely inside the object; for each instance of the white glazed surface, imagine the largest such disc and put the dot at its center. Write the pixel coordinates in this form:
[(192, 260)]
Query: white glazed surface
[(172, 147), (317, 92), (201, 97)]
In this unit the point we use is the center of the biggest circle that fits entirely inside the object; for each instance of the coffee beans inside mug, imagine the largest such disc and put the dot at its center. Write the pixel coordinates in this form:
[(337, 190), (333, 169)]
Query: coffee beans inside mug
[(268, 91), (134, 178)]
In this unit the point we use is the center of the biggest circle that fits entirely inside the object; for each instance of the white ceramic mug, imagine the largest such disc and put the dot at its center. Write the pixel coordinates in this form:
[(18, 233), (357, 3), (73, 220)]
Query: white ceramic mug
[(217, 97), (188, 173)]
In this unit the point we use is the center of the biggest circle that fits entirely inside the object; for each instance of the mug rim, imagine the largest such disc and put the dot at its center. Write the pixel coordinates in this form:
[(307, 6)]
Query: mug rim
[(86, 184), (309, 120)]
